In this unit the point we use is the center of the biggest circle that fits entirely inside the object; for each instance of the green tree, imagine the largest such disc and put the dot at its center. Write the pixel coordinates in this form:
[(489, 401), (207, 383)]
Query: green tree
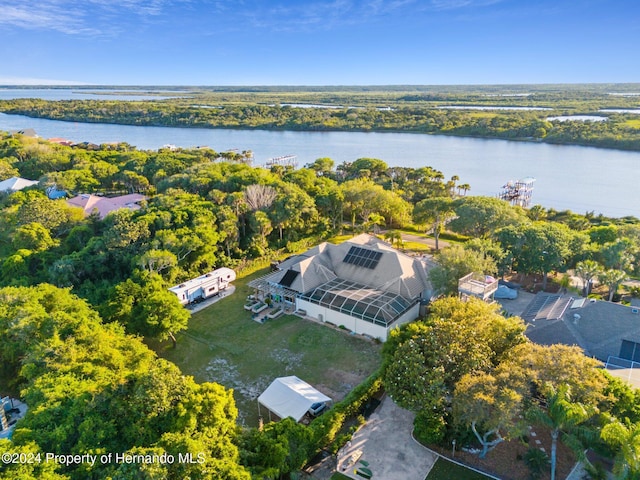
[(322, 166), (454, 263), (480, 216), (155, 261), (54, 215), (33, 236), (146, 307), (539, 247), (38, 469), (561, 415), (329, 202), (426, 359), (612, 279), (490, 403), (625, 439), (587, 270), (394, 237), (434, 212), (293, 209)]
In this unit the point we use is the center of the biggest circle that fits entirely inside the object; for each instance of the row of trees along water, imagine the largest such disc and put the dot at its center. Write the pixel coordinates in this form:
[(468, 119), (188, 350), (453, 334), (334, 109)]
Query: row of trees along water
[(84, 376), (375, 110)]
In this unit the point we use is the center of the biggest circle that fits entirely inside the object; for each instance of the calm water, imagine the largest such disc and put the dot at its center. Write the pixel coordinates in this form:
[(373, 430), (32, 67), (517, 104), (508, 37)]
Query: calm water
[(77, 94), (568, 177)]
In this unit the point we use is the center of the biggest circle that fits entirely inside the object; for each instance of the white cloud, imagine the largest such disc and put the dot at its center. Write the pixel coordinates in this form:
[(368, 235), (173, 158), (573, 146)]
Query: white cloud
[(75, 17)]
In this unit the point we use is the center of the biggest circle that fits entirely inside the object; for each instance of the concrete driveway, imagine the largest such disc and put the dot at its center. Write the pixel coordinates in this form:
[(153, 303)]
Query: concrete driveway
[(385, 443)]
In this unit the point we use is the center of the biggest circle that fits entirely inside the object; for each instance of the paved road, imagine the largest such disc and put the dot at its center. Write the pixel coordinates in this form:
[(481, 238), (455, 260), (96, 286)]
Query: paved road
[(210, 301), (387, 445), (424, 240)]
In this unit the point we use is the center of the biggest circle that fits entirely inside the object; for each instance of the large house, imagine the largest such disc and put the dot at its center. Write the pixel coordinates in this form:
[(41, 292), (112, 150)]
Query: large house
[(363, 285), (14, 184), (607, 331), (103, 205)]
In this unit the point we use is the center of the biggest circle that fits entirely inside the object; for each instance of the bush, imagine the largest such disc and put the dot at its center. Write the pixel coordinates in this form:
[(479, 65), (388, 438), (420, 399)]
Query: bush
[(326, 427), (537, 461), (429, 427)]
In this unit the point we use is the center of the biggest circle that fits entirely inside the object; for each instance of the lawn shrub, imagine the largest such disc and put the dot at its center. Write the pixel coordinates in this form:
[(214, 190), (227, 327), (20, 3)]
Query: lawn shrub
[(327, 426), (429, 427), (537, 461)]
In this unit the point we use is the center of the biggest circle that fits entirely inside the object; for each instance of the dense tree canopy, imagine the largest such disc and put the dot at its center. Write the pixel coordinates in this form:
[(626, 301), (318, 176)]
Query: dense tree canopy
[(92, 388)]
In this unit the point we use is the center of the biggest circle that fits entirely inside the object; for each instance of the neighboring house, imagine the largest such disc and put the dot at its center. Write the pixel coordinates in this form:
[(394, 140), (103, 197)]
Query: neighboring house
[(363, 284), (14, 184), (104, 205), (61, 141), (204, 286), (607, 331), (27, 132)]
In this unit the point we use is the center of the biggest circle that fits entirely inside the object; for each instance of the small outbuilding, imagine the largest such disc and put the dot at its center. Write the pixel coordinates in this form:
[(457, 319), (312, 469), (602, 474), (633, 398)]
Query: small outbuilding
[(290, 397)]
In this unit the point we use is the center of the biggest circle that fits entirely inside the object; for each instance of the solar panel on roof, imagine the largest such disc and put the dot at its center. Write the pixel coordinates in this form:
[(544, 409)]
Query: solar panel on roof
[(363, 257), (288, 278)]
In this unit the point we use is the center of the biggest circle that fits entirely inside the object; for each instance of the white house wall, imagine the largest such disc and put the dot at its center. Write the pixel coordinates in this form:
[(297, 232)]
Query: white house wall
[(354, 324)]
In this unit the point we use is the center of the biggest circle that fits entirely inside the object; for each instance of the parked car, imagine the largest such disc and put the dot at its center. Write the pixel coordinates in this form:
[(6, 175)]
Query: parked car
[(505, 292), (317, 408)]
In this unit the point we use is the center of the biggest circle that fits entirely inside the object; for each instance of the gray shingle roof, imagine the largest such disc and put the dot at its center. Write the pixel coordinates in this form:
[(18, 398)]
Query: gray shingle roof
[(598, 327)]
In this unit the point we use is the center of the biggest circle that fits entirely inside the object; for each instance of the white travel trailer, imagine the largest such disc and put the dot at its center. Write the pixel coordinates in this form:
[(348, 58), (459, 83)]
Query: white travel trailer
[(204, 286)]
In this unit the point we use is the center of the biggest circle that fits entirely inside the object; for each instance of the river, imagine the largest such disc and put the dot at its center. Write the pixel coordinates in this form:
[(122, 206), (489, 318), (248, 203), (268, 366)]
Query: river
[(580, 179)]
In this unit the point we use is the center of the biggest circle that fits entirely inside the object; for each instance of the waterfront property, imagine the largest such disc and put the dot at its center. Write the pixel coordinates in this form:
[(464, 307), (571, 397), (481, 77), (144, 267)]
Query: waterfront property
[(204, 286), (363, 285)]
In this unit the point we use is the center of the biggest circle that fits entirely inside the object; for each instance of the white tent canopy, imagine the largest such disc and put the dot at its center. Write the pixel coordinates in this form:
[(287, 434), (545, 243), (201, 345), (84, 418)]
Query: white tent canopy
[(290, 397)]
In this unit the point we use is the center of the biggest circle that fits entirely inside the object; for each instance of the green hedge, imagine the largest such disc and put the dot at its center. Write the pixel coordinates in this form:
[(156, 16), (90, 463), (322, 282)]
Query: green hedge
[(327, 426)]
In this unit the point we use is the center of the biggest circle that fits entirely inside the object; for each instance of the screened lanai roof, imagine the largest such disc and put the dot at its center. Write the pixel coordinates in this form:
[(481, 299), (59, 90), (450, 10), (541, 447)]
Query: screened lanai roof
[(357, 300)]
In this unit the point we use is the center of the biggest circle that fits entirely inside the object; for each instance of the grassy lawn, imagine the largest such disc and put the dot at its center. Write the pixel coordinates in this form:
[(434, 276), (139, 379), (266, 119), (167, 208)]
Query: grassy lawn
[(446, 470), (223, 344)]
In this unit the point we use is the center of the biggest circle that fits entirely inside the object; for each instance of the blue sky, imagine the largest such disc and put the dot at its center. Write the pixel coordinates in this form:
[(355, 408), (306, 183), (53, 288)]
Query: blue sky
[(318, 42)]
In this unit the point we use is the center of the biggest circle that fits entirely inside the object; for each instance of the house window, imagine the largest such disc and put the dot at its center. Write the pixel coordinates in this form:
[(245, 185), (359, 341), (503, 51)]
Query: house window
[(630, 350)]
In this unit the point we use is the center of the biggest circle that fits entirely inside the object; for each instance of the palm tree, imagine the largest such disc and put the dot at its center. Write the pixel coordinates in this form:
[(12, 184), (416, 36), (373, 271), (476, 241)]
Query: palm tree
[(374, 222), (587, 270), (562, 416), (612, 279), (394, 237), (536, 213), (626, 440)]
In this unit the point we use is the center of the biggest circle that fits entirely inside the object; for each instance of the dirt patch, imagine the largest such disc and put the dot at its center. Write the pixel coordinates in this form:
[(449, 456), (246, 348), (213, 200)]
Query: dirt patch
[(341, 383), (220, 370), (533, 283)]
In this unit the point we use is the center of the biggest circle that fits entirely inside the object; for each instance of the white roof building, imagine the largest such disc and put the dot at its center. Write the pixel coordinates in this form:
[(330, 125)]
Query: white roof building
[(14, 184), (363, 284), (290, 397)]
